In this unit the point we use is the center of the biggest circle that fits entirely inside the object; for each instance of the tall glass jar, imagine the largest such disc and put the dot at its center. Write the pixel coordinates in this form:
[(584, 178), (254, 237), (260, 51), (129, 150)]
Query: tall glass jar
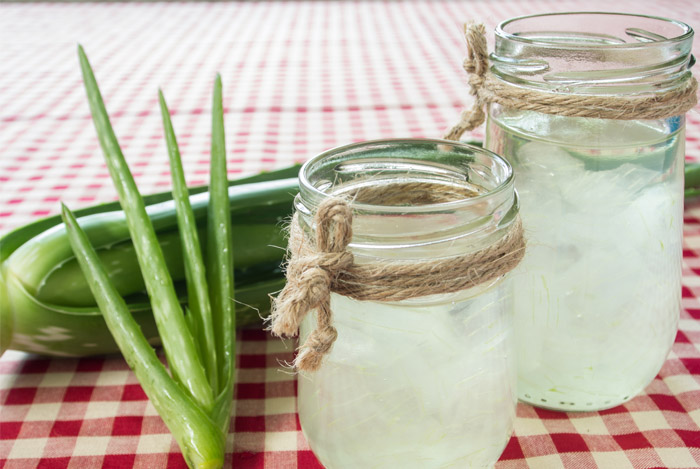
[(598, 294), (429, 381)]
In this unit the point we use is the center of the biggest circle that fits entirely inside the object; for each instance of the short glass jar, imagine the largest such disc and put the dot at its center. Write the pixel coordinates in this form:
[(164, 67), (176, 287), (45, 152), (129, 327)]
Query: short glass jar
[(598, 294), (428, 381)]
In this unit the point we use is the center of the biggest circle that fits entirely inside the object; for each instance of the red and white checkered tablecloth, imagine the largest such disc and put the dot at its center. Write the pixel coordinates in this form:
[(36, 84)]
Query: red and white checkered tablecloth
[(299, 77)]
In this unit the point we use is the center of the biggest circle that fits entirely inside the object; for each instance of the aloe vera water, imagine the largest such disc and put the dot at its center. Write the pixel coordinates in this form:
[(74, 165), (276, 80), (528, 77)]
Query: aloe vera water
[(599, 170), (597, 297), (428, 381), (442, 398)]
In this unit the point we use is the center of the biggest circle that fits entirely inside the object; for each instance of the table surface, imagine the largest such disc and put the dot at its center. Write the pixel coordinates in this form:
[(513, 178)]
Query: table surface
[(299, 77)]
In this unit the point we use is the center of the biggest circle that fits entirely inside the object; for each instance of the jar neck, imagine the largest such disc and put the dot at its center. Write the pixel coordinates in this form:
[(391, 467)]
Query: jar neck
[(594, 53), (412, 198)]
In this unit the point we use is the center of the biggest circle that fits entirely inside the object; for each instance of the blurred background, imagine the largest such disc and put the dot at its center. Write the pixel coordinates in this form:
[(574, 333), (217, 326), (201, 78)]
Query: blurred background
[(299, 77)]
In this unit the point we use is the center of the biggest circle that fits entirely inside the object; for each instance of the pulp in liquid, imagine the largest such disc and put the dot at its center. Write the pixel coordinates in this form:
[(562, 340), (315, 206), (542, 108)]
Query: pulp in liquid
[(413, 385), (597, 296)]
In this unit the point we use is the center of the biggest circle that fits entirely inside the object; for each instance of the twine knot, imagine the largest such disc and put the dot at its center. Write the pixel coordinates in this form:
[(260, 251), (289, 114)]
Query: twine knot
[(309, 280), (476, 63), (323, 265), (487, 88)]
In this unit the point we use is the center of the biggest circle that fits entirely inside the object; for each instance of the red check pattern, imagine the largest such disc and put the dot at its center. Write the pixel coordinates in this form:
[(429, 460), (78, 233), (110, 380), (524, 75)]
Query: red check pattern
[(299, 77)]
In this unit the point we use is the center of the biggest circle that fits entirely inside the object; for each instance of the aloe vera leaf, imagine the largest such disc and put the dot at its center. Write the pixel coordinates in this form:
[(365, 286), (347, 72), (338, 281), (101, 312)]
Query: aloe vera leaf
[(220, 263), (41, 260), (18, 237), (66, 285), (692, 192), (7, 321), (195, 273), (201, 442), (178, 343), (56, 330), (692, 176), (35, 325)]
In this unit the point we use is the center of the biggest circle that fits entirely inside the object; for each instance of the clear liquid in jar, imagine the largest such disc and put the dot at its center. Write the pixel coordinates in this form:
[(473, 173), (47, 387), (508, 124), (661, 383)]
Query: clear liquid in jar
[(597, 296), (413, 385)]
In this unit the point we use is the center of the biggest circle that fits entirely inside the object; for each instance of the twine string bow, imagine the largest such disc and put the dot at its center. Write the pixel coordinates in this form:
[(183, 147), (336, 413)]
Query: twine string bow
[(323, 265), (309, 280)]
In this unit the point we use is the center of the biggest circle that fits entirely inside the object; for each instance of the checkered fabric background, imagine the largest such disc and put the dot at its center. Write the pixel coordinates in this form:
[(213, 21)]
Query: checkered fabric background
[(299, 77)]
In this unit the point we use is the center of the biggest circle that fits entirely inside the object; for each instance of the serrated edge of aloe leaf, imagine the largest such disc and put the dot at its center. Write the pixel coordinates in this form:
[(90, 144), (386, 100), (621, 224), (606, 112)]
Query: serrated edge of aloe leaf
[(195, 272), (177, 340)]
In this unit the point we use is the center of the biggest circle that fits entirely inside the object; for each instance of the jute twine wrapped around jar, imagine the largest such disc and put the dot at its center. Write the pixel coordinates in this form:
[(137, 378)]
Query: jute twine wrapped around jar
[(487, 88), (317, 267)]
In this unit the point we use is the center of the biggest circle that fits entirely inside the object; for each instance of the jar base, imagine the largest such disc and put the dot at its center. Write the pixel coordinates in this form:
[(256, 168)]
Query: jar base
[(569, 405), (328, 461)]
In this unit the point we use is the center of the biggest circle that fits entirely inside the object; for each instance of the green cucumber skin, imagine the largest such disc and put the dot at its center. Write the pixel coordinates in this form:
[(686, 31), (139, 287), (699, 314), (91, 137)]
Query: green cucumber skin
[(33, 324)]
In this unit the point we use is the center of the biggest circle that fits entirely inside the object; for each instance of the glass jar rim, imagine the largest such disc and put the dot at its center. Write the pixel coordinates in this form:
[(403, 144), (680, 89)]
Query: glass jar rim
[(506, 184), (503, 34)]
